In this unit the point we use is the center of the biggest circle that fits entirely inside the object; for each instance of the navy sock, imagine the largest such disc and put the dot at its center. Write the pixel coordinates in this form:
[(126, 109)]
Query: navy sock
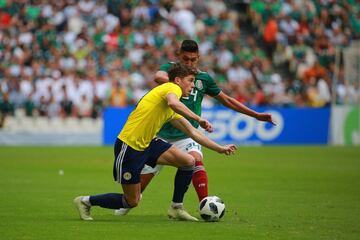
[(181, 184), (109, 200)]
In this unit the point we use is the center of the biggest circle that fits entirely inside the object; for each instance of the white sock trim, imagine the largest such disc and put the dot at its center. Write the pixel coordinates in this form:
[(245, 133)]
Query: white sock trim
[(176, 205), (86, 200)]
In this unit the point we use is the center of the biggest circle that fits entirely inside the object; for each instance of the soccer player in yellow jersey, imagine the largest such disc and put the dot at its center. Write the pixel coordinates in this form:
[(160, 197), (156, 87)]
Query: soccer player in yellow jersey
[(136, 144)]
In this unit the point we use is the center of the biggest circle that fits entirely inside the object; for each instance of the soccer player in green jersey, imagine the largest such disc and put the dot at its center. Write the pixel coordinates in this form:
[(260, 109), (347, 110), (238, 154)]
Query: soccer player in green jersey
[(204, 84)]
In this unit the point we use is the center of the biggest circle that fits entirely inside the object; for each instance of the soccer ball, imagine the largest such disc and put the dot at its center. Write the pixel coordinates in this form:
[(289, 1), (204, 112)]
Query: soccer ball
[(212, 208)]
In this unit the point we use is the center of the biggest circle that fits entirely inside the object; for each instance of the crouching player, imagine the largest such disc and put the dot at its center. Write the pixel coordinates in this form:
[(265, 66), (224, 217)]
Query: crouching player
[(136, 144)]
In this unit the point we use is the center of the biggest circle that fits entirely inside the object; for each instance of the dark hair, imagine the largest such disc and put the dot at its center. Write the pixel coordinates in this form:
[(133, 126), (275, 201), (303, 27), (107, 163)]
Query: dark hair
[(181, 71), (189, 46)]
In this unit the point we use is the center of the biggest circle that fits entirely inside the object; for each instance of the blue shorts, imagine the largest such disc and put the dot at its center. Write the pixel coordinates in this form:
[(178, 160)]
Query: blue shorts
[(129, 162)]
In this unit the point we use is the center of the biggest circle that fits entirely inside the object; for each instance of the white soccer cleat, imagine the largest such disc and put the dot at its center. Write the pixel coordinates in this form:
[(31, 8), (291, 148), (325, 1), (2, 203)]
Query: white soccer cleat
[(180, 214), (84, 210), (122, 211)]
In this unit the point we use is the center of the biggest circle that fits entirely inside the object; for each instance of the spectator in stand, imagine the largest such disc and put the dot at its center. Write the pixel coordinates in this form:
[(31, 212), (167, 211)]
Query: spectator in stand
[(303, 31), (66, 104), (84, 107), (86, 45), (300, 57), (29, 105), (42, 107), (96, 107), (318, 92), (184, 18), (6, 108), (315, 72), (324, 50), (270, 36), (259, 98), (118, 96), (289, 27)]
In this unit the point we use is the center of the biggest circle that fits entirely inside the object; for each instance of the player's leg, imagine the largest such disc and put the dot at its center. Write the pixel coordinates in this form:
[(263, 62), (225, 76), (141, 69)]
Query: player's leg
[(184, 162), (129, 199), (147, 174), (145, 179), (200, 178), (200, 181), (176, 158), (127, 165), (132, 195), (157, 148), (162, 154)]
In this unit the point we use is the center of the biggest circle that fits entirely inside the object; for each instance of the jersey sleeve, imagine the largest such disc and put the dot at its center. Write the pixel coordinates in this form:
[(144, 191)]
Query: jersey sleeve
[(172, 88), (212, 88), (166, 67), (176, 116)]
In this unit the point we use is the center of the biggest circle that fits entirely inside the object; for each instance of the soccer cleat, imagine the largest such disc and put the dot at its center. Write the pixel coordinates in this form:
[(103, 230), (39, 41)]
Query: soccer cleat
[(84, 210), (180, 214), (122, 211)]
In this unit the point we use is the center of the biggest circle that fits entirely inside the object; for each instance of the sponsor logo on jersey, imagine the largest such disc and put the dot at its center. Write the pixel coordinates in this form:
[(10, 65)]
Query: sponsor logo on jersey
[(127, 176)]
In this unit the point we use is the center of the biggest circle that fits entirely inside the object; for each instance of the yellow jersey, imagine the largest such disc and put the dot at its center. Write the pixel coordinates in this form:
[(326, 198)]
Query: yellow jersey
[(151, 113)]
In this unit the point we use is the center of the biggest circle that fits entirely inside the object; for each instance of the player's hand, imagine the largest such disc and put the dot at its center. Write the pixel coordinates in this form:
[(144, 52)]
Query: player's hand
[(205, 124), (228, 149), (265, 117)]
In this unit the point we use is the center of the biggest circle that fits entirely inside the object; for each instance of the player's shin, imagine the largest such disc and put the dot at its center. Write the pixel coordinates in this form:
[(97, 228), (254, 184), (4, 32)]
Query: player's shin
[(109, 200), (200, 180), (145, 180), (181, 184)]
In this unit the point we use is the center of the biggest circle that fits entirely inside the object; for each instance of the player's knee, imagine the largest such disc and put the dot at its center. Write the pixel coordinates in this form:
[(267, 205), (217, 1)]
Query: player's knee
[(133, 202), (190, 162), (197, 156)]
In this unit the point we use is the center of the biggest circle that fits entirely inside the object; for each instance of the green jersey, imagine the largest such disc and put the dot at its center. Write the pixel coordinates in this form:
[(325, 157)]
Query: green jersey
[(204, 84)]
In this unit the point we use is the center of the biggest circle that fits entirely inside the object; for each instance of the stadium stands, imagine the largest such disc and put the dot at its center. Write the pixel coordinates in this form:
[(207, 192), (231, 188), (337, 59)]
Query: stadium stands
[(69, 58)]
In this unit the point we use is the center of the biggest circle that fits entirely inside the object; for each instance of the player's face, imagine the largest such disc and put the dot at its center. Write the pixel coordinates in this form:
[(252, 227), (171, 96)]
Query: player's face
[(186, 84), (189, 58)]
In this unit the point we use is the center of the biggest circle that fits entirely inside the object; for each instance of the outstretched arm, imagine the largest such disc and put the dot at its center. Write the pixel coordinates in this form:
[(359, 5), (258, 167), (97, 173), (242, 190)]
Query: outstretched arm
[(181, 109), (184, 125), (235, 105)]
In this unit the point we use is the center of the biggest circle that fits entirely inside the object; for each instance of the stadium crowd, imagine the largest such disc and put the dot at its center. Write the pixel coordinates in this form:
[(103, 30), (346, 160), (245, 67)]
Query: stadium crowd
[(72, 58)]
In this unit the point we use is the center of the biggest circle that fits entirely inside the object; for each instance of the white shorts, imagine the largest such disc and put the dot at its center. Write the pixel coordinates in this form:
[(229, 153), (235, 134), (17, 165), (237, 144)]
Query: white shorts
[(186, 145)]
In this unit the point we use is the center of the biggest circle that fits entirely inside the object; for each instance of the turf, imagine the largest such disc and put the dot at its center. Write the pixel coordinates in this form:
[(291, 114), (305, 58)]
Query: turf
[(270, 193)]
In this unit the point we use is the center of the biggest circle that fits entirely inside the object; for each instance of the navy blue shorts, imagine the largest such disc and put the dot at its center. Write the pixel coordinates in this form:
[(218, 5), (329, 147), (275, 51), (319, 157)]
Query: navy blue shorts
[(129, 162)]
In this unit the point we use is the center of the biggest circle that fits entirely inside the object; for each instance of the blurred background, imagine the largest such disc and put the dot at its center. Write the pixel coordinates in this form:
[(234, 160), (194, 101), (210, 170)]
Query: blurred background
[(71, 71)]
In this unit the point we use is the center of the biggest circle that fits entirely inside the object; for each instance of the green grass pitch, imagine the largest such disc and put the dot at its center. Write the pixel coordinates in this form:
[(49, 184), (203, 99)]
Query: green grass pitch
[(269, 192)]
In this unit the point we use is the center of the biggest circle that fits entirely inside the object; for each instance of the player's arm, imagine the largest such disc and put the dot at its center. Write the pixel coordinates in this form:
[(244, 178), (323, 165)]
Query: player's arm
[(235, 105), (161, 77), (180, 108), (185, 126)]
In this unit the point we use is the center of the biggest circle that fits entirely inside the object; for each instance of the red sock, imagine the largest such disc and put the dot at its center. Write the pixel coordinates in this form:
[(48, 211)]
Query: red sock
[(200, 180)]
